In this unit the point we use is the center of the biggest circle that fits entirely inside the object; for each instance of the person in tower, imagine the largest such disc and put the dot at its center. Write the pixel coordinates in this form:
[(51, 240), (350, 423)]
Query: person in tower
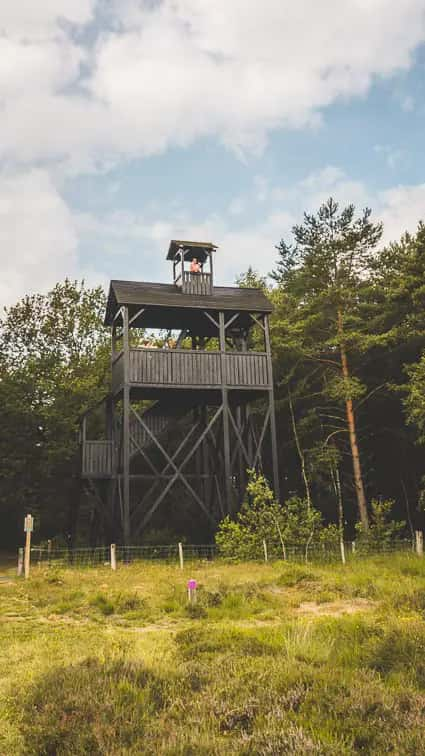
[(195, 266)]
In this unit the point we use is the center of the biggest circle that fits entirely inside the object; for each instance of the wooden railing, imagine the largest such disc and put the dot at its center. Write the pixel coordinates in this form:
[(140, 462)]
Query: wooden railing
[(197, 283), (182, 367), (98, 459), (248, 369)]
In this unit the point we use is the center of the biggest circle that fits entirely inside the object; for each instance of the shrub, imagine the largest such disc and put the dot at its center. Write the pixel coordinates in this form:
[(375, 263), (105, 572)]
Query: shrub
[(382, 529), (88, 707), (262, 518), (128, 602), (102, 603), (400, 649)]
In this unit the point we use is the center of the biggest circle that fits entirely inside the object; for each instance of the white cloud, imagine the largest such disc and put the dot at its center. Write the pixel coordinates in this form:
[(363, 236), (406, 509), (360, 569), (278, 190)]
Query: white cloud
[(38, 241), (42, 240), (400, 209), (28, 19), (141, 240), (87, 83), (166, 73)]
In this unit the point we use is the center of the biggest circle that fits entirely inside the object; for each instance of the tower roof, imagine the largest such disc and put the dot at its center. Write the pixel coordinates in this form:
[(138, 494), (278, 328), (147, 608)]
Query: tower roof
[(166, 298), (191, 249)]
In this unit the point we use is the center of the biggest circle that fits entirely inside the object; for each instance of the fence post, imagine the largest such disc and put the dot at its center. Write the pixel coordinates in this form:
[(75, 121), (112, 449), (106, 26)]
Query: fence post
[(181, 555), (353, 547), (20, 561), (419, 537), (49, 550), (265, 550), (113, 557), (28, 527)]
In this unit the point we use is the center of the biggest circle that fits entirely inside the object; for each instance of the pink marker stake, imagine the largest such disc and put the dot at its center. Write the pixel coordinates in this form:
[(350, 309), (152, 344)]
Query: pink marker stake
[(191, 591)]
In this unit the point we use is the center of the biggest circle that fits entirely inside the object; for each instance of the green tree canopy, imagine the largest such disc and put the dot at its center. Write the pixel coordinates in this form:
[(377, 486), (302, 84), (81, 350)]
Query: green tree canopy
[(54, 365)]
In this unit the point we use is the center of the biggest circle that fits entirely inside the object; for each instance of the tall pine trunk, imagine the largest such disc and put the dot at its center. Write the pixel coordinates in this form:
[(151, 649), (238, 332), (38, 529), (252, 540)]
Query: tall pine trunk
[(300, 451), (351, 422)]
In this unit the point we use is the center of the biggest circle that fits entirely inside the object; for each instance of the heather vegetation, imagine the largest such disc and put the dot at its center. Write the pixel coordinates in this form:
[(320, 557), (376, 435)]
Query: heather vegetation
[(272, 659)]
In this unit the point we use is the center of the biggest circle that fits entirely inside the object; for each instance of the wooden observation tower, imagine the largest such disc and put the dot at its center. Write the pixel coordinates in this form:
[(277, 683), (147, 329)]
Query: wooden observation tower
[(192, 415)]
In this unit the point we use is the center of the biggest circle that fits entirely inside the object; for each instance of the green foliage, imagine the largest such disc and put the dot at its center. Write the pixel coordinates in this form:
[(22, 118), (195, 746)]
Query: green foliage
[(262, 518), (54, 364), (382, 529), (102, 603), (251, 279), (319, 326), (415, 399)]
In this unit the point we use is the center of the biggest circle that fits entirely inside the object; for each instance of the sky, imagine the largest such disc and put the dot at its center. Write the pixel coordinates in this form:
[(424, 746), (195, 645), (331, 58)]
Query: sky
[(126, 123)]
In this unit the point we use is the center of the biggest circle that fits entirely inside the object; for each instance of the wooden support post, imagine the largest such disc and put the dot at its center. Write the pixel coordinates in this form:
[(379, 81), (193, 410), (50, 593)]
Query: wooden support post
[(419, 539), (266, 557), (20, 561), (181, 555), (49, 550), (205, 462), (249, 439), (241, 466), (226, 424), (273, 434), (126, 432), (113, 557)]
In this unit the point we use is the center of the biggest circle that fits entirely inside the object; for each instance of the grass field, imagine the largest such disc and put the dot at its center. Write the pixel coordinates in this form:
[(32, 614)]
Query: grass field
[(273, 659)]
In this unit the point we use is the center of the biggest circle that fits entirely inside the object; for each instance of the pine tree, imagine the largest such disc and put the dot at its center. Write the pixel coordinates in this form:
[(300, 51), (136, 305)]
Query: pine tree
[(320, 278)]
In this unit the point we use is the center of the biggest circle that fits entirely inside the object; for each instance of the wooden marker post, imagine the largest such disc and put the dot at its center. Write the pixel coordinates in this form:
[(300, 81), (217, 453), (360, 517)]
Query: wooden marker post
[(181, 555), (419, 537), (20, 561), (28, 528), (266, 558), (113, 557), (191, 591)]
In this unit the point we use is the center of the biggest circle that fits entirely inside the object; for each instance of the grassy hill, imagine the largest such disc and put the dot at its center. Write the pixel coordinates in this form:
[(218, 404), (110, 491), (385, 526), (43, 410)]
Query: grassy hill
[(273, 659)]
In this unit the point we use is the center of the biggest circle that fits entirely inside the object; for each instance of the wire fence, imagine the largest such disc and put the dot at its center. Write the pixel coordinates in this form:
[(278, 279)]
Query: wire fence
[(178, 554), (101, 555)]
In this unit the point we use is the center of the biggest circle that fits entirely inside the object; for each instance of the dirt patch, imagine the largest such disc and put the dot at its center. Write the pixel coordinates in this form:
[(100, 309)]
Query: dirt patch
[(335, 608)]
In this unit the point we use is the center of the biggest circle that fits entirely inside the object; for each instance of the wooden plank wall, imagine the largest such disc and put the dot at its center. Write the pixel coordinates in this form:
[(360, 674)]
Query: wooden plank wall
[(246, 369), (97, 459), (195, 368), (197, 283)]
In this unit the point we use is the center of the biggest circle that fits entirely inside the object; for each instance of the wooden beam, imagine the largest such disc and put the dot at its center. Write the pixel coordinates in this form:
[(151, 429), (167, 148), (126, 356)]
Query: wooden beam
[(238, 436), (229, 322), (272, 411), (126, 433), (262, 434), (178, 474), (117, 314), (164, 470), (210, 317), (139, 312), (226, 426), (144, 455), (258, 322)]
